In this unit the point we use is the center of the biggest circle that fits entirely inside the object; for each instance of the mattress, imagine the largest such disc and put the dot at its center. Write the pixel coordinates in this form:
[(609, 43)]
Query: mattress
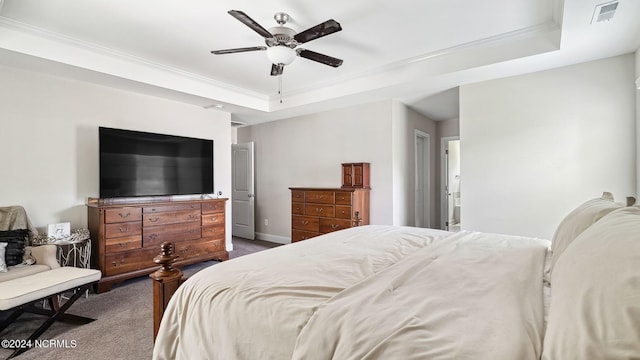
[(368, 292)]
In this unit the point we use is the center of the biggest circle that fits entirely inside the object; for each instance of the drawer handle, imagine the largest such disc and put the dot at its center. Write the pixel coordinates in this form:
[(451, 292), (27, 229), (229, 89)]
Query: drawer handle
[(214, 218), (193, 216), (212, 230), (154, 219), (115, 263), (154, 236), (193, 231), (335, 226), (123, 229), (123, 244), (319, 209), (123, 216), (304, 222)]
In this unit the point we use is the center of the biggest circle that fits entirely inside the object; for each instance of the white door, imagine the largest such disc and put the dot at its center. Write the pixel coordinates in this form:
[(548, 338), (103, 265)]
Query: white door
[(422, 160), (242, 192), (450, 201)]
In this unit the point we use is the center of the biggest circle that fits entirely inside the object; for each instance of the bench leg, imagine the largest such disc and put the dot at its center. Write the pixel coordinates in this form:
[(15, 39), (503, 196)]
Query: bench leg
[(58, 314)]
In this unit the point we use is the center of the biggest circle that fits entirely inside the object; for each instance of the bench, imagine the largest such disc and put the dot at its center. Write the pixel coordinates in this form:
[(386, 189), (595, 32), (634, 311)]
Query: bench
[(23, 285)]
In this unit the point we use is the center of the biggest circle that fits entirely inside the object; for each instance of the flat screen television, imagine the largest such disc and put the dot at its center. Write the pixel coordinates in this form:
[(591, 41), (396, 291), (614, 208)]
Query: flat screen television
[(134, 163)]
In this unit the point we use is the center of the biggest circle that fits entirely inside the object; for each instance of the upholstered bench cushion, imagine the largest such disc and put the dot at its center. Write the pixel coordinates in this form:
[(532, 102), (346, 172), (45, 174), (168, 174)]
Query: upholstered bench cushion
[(29, 288), (22, 270)]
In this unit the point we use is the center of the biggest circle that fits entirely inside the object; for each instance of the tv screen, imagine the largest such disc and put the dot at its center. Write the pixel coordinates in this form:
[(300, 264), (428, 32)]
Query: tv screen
[(134, 163)]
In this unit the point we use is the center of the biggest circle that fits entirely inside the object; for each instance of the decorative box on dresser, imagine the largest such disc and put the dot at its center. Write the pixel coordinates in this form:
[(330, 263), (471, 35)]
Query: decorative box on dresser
[(126, 236), (317, 211)]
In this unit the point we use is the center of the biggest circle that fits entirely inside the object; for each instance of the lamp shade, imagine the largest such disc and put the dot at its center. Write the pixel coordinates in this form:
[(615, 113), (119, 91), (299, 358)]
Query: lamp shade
[(281, 54)]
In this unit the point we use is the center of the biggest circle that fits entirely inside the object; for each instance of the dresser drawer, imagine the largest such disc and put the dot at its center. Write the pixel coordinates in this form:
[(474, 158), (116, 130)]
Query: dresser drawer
[(214, 231), (297, 208), (297, 195), (213, 207), (126, 261), (308, 223), (122, 229), (171, 217), (172, 207), (343, 212), (299, 235), (124, 214), (319, 210), (156, 235), (192, 249), (123, 243), (329, 225), (319, 197), (212, 219), (343, 198)]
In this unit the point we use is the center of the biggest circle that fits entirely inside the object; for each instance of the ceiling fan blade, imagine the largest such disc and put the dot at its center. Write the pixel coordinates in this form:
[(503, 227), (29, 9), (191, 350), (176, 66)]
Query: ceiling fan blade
[(321, 58), (277, 69), (318, 31), (237, 50), (245, 19)]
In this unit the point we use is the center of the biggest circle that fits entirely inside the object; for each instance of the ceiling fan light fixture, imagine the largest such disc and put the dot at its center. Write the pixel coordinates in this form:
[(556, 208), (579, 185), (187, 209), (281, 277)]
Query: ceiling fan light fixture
[(281, 54)]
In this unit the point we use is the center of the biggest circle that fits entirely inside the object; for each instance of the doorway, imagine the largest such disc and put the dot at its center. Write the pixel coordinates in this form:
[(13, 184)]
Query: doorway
[(450, 180), (242, 191), (422, 146)]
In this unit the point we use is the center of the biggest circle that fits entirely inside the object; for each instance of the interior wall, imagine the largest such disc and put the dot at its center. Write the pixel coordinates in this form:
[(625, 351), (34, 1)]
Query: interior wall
[(405, 122), (49, 140), (307, 151), (535, 146)]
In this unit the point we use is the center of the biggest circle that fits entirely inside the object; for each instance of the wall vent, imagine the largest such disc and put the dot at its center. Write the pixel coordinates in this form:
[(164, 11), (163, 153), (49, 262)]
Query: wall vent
[(604, 11)]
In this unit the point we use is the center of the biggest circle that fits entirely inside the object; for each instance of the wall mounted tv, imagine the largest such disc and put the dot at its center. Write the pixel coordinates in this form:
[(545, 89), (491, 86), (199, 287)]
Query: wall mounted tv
[(134, 163)]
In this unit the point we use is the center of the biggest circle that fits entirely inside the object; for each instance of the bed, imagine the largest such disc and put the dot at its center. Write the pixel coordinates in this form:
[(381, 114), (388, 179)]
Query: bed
[(385, 292)]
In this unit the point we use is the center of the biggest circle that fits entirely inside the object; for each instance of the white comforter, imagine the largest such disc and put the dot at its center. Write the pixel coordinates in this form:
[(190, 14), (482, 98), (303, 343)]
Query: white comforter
[(375, 292)]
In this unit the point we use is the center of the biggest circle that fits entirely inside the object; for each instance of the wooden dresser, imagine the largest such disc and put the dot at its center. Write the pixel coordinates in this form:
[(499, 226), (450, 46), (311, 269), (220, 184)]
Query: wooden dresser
[(125, 237), (317, 211)]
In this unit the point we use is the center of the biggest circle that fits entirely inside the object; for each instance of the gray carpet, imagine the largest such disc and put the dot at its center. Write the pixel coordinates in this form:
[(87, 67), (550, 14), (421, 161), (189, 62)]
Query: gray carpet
[(124, 325)]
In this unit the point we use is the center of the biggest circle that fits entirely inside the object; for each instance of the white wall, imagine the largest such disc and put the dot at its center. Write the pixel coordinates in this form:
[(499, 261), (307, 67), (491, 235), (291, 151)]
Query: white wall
[(49, 140), (405, 122), (307, 151), (535, 146)]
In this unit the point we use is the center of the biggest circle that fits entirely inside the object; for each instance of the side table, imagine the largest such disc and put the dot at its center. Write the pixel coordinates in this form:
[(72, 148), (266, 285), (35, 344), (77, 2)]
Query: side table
[(73, 250), (75, 253)]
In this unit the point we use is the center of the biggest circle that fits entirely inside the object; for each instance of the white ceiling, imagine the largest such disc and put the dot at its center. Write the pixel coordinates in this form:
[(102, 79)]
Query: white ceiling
[(416, 51)]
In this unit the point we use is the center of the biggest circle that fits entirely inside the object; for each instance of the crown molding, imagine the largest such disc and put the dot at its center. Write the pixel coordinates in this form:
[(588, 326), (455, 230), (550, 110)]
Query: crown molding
[(424, 60), (122, 56)]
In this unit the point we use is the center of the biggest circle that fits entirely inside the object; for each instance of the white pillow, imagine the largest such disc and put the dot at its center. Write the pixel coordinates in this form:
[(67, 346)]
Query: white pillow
[(578, 220), (3, 265), (595, 294)]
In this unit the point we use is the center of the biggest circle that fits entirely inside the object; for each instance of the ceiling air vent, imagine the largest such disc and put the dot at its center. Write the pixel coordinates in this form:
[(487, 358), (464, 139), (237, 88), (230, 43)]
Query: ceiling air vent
[(237, 123), (604, 11)]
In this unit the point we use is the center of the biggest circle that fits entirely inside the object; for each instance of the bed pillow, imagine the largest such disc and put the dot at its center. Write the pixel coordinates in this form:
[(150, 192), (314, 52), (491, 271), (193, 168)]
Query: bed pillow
[(3, 265), (578, 220), (595, 298), (15, 240)]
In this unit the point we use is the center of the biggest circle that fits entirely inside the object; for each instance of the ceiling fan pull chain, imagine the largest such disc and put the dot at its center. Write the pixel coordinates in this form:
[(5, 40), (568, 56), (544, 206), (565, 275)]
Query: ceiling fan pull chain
[(280, 87)]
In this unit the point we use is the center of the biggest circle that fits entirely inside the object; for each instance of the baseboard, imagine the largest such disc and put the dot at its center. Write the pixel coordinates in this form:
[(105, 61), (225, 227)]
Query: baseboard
[(273, 238)]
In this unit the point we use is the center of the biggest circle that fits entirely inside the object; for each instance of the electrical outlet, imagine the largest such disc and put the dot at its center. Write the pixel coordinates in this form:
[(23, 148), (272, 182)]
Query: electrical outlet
[(266, 222)]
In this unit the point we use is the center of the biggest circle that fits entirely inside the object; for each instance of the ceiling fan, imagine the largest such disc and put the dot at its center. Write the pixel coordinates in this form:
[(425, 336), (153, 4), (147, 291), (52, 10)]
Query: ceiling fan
[(282, 42)]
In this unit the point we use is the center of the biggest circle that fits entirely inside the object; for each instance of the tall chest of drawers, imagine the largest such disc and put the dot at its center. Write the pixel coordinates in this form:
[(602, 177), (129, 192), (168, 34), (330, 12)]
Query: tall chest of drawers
[(126, 237), (317, 211)]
